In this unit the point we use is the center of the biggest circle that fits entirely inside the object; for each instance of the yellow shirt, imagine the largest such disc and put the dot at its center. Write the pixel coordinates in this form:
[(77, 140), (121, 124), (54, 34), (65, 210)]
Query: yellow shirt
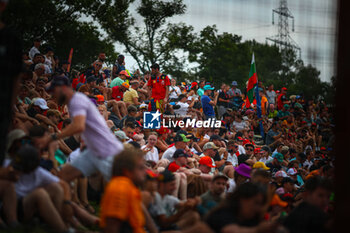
[(129, 95), (122, 200)]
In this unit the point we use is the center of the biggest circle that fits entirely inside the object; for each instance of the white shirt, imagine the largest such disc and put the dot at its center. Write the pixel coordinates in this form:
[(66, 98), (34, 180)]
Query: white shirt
[(32, 52), (232, 158), (182, 110), (232, 185), (164, 206), (73, 155), (174, 94), (168, 154), (97, 136), (271, 96), (30, 181), (153, 156), (241, 149), (239, 125)]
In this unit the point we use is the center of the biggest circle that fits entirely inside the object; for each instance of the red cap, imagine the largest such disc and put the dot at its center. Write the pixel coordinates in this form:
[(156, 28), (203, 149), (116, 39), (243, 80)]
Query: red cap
[(163, 130), (193, 84), (277, 91), (303, 122), (124, 73), (323, 148), (206, 160), (257, 150), (284, 89), (314, 124)]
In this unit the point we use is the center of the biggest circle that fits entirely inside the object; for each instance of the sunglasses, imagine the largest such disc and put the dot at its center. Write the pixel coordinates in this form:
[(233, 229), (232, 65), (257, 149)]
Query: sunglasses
[(249, 149), (98, 65)]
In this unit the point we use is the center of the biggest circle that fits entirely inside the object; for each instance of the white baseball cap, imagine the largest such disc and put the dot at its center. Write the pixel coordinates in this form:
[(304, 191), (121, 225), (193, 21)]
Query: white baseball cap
[(40, 102), (292, 171)]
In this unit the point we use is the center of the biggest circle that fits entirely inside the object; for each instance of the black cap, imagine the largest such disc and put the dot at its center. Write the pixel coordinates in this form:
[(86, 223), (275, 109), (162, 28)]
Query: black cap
[(58, 81), (155, 66), (215, 137), (26, 159), (166, 176), (179, 153), (121, 56)]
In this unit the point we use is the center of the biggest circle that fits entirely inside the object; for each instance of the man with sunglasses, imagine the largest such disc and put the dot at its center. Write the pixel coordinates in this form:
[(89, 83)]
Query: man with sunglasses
[(249, 149)]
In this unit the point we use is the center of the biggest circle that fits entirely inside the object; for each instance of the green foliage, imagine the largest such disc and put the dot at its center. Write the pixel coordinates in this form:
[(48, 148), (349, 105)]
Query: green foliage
[(58, 24)]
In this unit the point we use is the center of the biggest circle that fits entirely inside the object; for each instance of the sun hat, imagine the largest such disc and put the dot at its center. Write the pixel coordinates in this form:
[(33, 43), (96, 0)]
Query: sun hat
[(243, 170), (208, 87), (209, 145)]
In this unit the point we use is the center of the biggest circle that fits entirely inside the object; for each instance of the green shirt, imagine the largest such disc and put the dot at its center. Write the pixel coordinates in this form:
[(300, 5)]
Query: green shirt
[(281, 114), (117, 82)]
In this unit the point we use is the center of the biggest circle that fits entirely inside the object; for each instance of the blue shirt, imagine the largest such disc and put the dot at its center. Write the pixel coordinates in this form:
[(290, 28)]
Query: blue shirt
[(208, 110)]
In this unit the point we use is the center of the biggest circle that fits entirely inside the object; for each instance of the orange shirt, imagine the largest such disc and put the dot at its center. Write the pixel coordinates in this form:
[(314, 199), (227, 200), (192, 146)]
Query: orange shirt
[(263, 105), (122, 200)]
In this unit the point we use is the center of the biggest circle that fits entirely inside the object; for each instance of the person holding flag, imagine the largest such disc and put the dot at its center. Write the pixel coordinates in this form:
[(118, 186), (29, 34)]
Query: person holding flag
[(253, 85)]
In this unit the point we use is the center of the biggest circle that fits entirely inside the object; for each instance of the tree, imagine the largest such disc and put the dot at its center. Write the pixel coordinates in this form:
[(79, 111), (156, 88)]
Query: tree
[(59, 25), (157, 41)]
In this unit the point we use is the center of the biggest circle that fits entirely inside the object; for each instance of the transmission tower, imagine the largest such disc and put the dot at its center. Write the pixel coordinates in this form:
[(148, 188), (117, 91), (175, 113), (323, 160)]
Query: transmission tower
[(283, 39)]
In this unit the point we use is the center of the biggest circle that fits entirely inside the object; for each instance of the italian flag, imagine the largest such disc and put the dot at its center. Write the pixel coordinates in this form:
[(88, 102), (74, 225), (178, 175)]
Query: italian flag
[(253, 80)]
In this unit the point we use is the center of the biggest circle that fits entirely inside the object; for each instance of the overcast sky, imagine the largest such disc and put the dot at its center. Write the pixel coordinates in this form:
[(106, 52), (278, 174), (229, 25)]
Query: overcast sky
[(315, 25)]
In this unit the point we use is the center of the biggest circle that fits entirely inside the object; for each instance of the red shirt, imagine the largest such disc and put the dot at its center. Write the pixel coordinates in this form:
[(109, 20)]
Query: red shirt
[(280, 99), (75, 82), (173, 167), (158, 86), (117, 94)]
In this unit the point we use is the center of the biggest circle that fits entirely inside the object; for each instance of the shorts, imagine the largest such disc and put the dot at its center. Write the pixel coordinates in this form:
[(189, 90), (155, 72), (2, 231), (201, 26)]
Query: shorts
[(88, 163)]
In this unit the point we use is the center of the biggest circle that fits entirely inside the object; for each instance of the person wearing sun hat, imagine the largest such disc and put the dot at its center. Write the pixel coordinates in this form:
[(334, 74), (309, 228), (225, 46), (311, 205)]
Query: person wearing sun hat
[(242, 174)]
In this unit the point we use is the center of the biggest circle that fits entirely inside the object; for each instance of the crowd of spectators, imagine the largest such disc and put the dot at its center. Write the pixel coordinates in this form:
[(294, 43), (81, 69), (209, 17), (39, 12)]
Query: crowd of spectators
[(231, 178)]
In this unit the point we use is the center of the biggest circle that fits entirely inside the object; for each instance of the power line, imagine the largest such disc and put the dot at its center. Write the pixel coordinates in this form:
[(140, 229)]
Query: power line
[(283, 39)]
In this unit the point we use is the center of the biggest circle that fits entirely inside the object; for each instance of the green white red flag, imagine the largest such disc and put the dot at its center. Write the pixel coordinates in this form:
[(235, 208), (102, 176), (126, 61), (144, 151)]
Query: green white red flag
[(252, 82)]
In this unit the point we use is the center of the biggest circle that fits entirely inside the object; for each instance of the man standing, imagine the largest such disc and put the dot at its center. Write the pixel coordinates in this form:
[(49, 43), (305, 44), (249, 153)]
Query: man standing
[(223, 100), (35, 49), (282, 98), (200, 90), (101, 144), (234, 91), (118, 66), (158, 88), (207, 103), (271, 95), (174, 91)]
